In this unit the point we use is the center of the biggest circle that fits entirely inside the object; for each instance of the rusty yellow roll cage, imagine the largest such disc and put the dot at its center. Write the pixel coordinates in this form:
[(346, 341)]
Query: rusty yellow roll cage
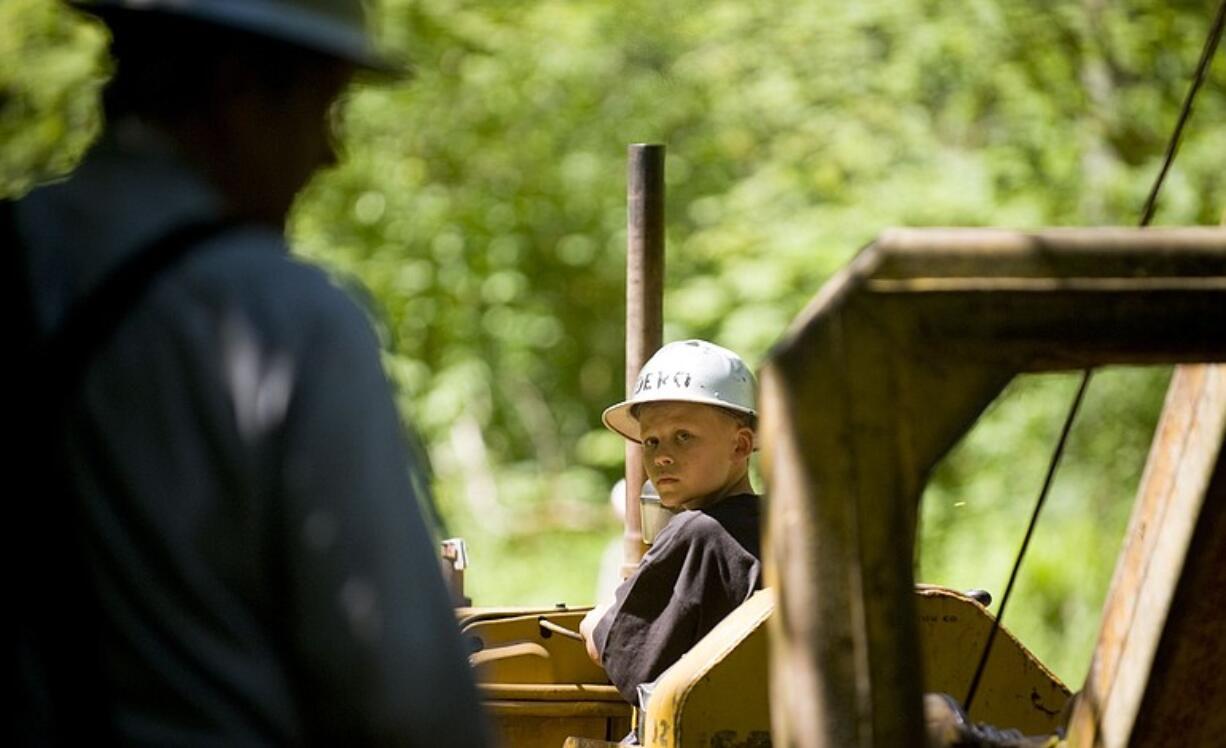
[(886, 369)]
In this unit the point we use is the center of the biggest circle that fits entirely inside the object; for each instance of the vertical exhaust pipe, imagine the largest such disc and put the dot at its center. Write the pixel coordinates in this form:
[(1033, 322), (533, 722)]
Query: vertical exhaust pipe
[(644, 308)]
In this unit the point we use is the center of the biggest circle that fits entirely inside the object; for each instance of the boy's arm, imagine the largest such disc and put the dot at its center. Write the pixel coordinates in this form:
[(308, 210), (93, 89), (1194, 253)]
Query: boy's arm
[(587, 629), (693, 576), (650, 621)]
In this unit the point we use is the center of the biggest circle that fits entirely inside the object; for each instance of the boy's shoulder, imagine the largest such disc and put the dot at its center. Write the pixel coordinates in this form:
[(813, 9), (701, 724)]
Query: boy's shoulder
[(737, 516)]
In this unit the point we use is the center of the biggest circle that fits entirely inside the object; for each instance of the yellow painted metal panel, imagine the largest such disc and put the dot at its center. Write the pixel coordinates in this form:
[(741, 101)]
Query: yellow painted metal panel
[(550, 692), (1016, 690), (718, 692), (518, 649), (536, 682), (552, 731)]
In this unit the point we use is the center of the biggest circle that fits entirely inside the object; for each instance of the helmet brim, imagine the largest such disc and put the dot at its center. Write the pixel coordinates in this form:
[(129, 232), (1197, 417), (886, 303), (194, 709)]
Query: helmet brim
[(619, 418)]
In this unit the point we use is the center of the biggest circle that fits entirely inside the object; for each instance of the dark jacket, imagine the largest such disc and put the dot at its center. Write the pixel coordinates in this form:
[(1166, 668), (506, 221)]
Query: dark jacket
[(702, 566), (246, 500)]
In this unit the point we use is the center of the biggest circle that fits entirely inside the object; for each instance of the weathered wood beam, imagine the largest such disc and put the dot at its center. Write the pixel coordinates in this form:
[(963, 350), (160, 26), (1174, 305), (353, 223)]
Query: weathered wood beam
[(1159, 661)]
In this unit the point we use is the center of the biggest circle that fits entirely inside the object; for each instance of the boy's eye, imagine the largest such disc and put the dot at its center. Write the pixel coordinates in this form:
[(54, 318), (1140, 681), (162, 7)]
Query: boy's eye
[(683, 436), (650, 441)]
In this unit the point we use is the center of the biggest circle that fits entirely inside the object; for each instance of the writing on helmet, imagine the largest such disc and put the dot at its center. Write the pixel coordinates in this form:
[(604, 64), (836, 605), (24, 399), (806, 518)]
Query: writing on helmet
[(659, 380)]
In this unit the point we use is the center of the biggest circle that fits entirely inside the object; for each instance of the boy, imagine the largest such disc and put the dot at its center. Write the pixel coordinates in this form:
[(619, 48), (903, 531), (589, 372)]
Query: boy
[(693, 411)]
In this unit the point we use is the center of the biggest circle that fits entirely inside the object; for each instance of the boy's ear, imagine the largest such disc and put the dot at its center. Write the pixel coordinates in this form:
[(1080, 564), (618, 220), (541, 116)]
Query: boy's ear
[(744, 441)]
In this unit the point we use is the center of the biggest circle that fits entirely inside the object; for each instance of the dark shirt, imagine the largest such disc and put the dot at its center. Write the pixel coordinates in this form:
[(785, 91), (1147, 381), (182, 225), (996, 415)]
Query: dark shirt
[(263, 570), (704, 564)]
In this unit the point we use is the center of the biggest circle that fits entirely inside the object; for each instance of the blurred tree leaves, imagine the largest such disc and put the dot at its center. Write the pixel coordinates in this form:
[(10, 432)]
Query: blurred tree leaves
[(481, 204), (484, 201), (979, 502), (51, 67)]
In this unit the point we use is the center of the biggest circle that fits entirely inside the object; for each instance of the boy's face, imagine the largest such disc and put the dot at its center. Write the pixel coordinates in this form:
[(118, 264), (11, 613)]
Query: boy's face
[(694, 454)]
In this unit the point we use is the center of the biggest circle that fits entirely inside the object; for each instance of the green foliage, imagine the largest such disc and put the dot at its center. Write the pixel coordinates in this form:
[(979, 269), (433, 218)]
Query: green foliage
[(53, 65), (482, 206), (977, 506)]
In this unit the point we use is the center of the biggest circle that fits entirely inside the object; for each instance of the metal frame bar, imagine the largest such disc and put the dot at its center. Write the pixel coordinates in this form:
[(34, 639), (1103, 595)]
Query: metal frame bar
[(887, 368)]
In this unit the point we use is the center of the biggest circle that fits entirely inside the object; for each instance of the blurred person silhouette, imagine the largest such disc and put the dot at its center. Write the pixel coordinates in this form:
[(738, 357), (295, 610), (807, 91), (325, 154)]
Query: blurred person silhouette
[(224, 544)]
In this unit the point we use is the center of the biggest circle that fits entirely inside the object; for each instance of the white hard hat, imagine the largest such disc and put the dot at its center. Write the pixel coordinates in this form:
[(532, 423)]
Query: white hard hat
[(333, 27), (692, 371)]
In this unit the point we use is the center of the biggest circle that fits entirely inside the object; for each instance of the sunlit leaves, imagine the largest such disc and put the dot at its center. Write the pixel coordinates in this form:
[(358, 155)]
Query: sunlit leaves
[(482, 202)]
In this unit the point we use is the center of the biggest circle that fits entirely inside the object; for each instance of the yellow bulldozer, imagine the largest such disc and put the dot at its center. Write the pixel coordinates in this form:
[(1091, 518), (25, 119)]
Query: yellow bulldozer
[(886, 369), (843, 520), (869, 387)]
